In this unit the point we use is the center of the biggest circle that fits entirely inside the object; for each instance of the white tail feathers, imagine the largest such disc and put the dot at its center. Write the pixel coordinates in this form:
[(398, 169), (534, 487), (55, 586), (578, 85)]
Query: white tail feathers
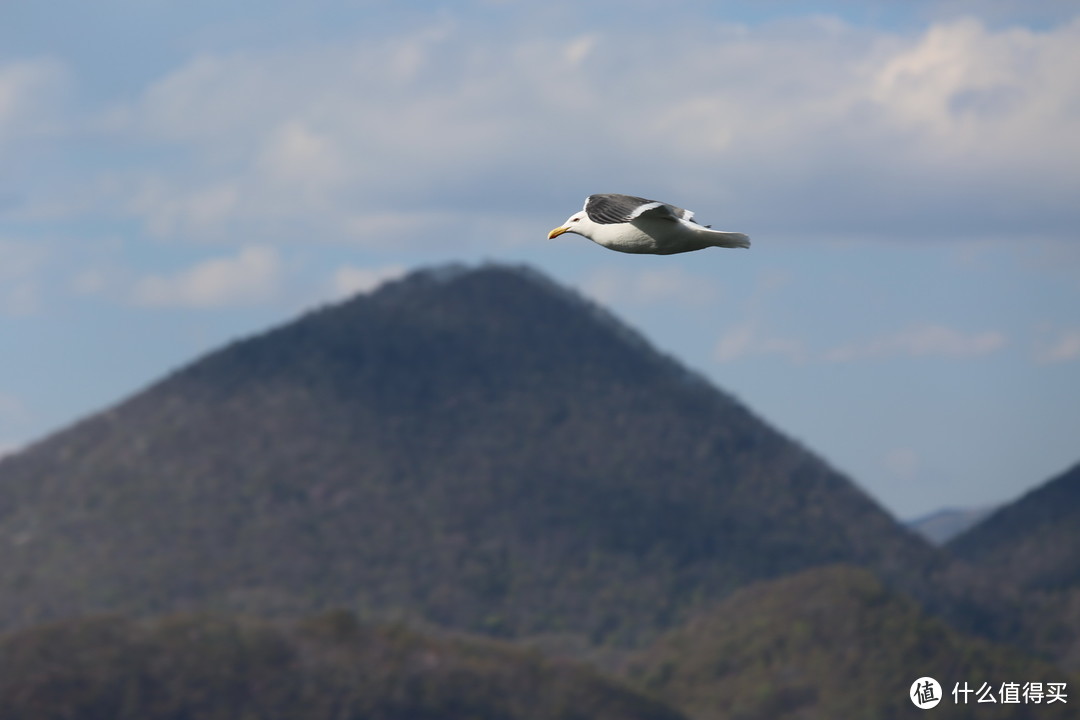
[(729, 239)]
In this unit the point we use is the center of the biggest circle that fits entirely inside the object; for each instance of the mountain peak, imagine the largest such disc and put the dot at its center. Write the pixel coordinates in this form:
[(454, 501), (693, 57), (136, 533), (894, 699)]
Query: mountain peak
[(477, 448), (494, 281), (499, 278)]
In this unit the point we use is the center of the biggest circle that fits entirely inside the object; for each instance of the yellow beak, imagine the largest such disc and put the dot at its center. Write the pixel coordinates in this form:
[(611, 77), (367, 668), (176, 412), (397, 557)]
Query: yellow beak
[(558, 231)]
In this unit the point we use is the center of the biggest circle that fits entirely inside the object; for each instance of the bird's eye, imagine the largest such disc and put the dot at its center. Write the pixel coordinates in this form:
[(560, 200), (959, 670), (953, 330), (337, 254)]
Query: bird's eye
[(575, 219)]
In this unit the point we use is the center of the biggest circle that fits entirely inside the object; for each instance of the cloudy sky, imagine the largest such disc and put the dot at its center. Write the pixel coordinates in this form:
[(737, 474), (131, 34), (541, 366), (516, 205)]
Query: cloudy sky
[(174, 175)]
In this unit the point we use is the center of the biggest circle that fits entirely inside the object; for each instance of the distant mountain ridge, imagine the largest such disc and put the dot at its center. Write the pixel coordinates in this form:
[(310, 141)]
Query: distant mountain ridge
[(475, 448), (1033, 546), (943, 525), (1035, 540)]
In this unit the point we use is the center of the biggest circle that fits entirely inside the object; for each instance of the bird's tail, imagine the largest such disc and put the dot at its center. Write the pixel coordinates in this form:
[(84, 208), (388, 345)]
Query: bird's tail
[(729, 239)]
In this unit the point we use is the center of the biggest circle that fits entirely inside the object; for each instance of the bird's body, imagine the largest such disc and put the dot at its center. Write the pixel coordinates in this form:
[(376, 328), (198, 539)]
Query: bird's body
[(631, 224)]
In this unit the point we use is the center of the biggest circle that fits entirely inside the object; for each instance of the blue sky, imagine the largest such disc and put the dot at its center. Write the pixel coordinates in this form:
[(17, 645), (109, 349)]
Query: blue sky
[(177, 175)]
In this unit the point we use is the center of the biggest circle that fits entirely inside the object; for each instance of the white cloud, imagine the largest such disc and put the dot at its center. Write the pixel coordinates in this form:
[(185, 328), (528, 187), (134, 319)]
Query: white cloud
[(1065, 347), (168, 210), (251, 276), (28, 89), (920, 341), (350, 280), (968, 86), (90, 281), (20, 266), (300, 158), (847, 129), (579, 49), (902, 463), (748, 340), (646, 287), (750, 337), (381, 228)]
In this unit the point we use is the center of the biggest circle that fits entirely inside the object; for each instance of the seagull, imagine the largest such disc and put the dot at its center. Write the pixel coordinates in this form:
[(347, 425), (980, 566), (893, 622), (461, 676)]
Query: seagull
[(632, 224)]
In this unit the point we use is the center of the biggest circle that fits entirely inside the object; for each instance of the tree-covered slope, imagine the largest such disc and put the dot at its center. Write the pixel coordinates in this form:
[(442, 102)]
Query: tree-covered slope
[(327, 668), (833, 642), (480, 449)]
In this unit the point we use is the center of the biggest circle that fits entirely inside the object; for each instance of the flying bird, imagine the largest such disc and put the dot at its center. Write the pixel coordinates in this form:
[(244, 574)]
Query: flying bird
[(632, 224)]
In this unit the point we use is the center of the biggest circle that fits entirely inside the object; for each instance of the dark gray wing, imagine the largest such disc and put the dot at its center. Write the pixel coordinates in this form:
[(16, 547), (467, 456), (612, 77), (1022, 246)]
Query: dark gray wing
[(612, 208)]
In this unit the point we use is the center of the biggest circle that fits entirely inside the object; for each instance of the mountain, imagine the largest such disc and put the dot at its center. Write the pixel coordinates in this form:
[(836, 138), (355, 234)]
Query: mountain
[(1034, 541), (943, 525), (831, 642), (1032, 546), (478, 449), (324, 668)]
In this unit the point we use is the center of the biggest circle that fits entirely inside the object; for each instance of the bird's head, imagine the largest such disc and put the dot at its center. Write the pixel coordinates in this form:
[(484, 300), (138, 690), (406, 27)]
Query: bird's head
[(577, 223)]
